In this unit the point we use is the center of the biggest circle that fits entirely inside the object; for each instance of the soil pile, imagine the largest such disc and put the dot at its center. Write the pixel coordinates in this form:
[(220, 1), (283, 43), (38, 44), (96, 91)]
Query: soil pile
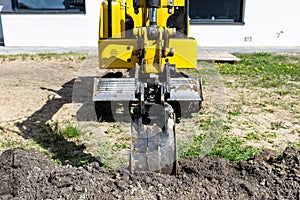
[(28, 175)]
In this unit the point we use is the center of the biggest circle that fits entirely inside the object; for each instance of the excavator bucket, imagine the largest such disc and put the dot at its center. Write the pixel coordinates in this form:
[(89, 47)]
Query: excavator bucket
[(153, 146)]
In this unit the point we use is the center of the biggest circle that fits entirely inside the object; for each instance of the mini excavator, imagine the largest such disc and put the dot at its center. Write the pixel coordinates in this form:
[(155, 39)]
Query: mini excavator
[(149, 38)]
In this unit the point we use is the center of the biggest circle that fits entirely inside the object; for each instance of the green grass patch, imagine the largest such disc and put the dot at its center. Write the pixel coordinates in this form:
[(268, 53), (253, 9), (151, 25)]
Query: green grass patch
[(235, 112), (295, 131), (205, 123), (264, 69), (252, 136), (228, 147), (277, 125), (71, 131), (267, 135), (109, 153)]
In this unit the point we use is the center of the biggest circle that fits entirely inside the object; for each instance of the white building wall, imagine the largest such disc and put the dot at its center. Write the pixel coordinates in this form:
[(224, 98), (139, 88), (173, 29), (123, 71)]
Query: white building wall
[(45, 30), (52, 29), (92, 15), (263, 20)]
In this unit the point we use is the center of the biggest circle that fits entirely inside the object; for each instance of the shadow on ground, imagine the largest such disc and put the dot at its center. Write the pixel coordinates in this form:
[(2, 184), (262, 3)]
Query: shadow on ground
[(35, 127), (85, 108)]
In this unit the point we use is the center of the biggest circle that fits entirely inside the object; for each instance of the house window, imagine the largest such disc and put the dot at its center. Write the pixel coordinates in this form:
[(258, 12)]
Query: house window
[(40, 4), (43, 6), (217, 11)]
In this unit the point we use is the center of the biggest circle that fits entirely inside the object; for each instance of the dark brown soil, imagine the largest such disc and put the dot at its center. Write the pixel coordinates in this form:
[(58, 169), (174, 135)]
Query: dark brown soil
[(28, 175)]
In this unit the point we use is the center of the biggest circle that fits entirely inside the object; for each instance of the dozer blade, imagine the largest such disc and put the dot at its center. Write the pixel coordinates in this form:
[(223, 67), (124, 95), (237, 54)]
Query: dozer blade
[(114, 89), (112, 97), (153, 146), (123, 89), (185, 89), (185, 96)]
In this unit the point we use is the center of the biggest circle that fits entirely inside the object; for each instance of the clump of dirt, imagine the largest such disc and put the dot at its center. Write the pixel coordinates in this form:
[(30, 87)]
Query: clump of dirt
[(28, 175)]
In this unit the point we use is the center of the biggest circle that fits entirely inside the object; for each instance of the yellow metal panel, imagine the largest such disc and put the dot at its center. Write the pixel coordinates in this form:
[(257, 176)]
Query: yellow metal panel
[(188, 27), (163, 14), (118, 20), (185, 53), (117, 53), (122, 20), (164, 3), (103, 33)]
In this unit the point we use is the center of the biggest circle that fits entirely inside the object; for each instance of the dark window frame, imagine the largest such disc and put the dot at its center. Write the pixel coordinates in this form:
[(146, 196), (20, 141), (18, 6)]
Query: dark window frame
[(241, 21), (67, 10)]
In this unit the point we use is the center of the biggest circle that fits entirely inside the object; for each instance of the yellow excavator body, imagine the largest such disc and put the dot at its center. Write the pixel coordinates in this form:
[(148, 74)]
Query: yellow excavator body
[(117, 51)]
